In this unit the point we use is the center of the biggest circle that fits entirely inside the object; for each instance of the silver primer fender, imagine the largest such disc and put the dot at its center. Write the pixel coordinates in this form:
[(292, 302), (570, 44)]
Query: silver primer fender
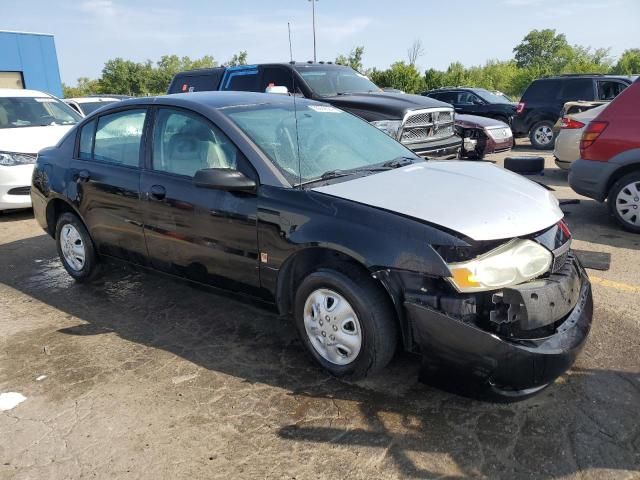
[(476, 199)]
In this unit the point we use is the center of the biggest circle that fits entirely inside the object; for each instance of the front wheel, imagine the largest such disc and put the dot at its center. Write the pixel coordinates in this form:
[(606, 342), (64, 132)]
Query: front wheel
[(624, 201), (75, 248), (541, 135), (345, 322)]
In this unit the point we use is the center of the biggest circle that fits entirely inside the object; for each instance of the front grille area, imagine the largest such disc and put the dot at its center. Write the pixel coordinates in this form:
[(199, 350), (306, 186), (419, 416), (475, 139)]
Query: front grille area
[(20, 191), (560, 256), (427, 125)]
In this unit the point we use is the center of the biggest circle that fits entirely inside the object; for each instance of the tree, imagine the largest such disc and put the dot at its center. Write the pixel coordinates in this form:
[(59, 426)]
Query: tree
[(84, 86), (353, 60), (401, 76), (628, 63), (542, 49), (239, 58), (414, 52)]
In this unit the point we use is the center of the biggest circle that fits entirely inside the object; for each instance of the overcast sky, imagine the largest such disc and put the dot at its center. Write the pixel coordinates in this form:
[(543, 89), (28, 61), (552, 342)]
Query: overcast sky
[(89, 32)]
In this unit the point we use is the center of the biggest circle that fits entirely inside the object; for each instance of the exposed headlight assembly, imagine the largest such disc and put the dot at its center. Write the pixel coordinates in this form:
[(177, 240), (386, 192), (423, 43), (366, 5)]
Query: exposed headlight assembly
[(510, 264), (390, 127), (11, 159)]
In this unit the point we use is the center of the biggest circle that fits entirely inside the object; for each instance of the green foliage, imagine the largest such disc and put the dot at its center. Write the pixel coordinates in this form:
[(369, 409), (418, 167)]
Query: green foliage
[(239, 58), (543, 50), (399, 75), (629, 62), (353, 60)]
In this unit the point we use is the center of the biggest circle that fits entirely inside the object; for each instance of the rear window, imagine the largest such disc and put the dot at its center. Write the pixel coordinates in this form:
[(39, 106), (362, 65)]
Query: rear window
[(196, 83), (242, 81), (541, 90)]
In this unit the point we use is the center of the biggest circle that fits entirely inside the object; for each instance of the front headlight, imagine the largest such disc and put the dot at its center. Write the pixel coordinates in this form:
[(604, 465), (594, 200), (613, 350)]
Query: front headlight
[(510, 264), (390, 127), (10, 159), (500, 133)]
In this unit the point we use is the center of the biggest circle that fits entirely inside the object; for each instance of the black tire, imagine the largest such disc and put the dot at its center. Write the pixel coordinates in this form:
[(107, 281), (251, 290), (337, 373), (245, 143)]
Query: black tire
[(621, 187), (90, 265), (525, 165), (536, 140), (373, 310)]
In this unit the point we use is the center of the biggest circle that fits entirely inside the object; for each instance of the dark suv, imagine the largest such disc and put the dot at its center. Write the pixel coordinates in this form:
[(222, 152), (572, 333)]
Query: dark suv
[(476, 101), (542, 102), (424, 125)]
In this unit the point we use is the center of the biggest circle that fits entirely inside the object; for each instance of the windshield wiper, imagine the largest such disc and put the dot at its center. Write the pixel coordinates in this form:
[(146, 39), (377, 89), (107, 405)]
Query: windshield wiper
[(399, 162), (329, 174)]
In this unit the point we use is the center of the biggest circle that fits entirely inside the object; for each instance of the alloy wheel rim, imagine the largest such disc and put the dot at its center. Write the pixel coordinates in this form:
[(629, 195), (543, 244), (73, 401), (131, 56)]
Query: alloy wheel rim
[(628, 203), (544, 135), (72, 247), (332, 326)]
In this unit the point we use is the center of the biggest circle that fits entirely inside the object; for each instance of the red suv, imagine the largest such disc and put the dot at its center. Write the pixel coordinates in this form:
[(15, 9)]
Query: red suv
[(609, 165)]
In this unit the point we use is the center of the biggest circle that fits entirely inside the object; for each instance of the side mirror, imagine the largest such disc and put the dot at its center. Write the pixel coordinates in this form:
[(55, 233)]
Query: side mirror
[(280, 90), (224, 179)]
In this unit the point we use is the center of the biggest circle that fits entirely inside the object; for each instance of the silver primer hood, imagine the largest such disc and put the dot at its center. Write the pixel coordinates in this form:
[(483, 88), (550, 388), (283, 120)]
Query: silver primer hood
[(477, 199)]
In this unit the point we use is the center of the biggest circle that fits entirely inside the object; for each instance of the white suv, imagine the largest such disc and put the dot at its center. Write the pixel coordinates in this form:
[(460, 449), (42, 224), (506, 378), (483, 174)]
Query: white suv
[(29, 121)]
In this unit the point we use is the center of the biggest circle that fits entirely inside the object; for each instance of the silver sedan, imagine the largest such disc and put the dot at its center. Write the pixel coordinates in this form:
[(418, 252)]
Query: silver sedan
[(567, 147)]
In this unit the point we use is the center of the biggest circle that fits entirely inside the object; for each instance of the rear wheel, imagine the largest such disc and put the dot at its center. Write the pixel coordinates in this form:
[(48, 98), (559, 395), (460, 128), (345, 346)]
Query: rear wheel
[(541, 135), (75, 248), (624, 201), (345, 322)]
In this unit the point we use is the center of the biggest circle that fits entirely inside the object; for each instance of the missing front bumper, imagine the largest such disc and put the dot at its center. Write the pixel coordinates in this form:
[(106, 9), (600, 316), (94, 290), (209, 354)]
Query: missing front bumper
[(461, 357)]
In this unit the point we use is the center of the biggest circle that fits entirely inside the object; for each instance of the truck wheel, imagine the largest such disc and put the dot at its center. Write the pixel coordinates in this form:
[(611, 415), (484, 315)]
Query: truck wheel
[(75, 248), (345, 322), (541, 135), (624, 201)]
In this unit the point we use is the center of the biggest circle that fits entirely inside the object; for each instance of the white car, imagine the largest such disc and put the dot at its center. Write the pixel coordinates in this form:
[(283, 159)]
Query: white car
[(29, 121), (567, 147), (86, 105)]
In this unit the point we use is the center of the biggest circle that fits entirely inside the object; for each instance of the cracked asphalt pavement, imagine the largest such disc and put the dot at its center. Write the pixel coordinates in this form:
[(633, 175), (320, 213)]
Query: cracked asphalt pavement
[(142, 376)]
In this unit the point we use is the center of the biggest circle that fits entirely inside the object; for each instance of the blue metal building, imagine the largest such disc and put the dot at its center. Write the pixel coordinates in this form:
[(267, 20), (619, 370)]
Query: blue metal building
[(29, 60)]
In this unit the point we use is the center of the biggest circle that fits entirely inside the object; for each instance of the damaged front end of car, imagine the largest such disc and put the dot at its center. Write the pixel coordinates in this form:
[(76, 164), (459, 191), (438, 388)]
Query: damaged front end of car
[(508, 321)]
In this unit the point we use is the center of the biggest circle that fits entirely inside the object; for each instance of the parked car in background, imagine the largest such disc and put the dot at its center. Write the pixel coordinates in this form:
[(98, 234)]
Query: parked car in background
[(425, 125), (482, 136), (567, 146), (297, 202), (29, 121), (86, 105), (609, 163), (475, 101), (570, 108), (542, 102)]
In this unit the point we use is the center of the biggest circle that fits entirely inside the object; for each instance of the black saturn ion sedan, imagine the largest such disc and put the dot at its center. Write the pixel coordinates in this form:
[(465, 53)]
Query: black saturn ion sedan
[(366, 246)]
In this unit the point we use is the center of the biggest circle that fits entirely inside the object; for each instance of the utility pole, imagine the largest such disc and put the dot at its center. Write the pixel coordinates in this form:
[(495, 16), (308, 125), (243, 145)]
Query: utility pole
[(313, 13)]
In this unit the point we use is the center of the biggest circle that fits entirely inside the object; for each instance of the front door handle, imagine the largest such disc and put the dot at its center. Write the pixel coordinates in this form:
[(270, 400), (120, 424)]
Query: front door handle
[(83, 175), (158, 192)]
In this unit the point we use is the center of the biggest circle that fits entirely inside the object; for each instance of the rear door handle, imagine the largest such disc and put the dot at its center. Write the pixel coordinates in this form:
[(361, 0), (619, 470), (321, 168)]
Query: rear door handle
[(83, 175), (158, 192)]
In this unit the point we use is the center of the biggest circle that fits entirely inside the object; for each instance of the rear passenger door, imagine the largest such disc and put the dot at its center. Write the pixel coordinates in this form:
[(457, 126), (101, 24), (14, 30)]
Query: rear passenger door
[(104, 178), (206, 235)]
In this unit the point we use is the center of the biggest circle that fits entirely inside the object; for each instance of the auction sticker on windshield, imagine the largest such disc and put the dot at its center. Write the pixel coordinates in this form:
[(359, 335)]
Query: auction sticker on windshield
[(325, 108)]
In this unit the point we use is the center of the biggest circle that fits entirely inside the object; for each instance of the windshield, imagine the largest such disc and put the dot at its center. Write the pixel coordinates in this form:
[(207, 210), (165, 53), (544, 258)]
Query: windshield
[(18, 112), (329, 82), (90, 107), (326, 138), (491, 97)]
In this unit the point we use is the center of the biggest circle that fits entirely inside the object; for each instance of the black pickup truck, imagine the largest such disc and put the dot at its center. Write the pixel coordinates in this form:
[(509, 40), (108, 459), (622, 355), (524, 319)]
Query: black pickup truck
[(423, 124)]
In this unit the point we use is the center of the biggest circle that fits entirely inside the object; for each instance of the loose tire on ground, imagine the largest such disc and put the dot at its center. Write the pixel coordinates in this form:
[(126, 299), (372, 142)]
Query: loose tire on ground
[(75, 248), (624, 201), (524, 165), (373, 314), (542, 136)]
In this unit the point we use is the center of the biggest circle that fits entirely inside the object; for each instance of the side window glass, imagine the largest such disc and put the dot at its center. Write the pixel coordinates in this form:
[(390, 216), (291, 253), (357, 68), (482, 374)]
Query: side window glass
[(118, 137), (184, 143), (578, 89), (242, 81), (610, 90), (86, 141)]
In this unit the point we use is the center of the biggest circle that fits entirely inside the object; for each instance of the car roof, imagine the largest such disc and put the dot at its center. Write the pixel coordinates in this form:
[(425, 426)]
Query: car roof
[(218, 100), (106, 98), (21, 92), (584, 75)]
